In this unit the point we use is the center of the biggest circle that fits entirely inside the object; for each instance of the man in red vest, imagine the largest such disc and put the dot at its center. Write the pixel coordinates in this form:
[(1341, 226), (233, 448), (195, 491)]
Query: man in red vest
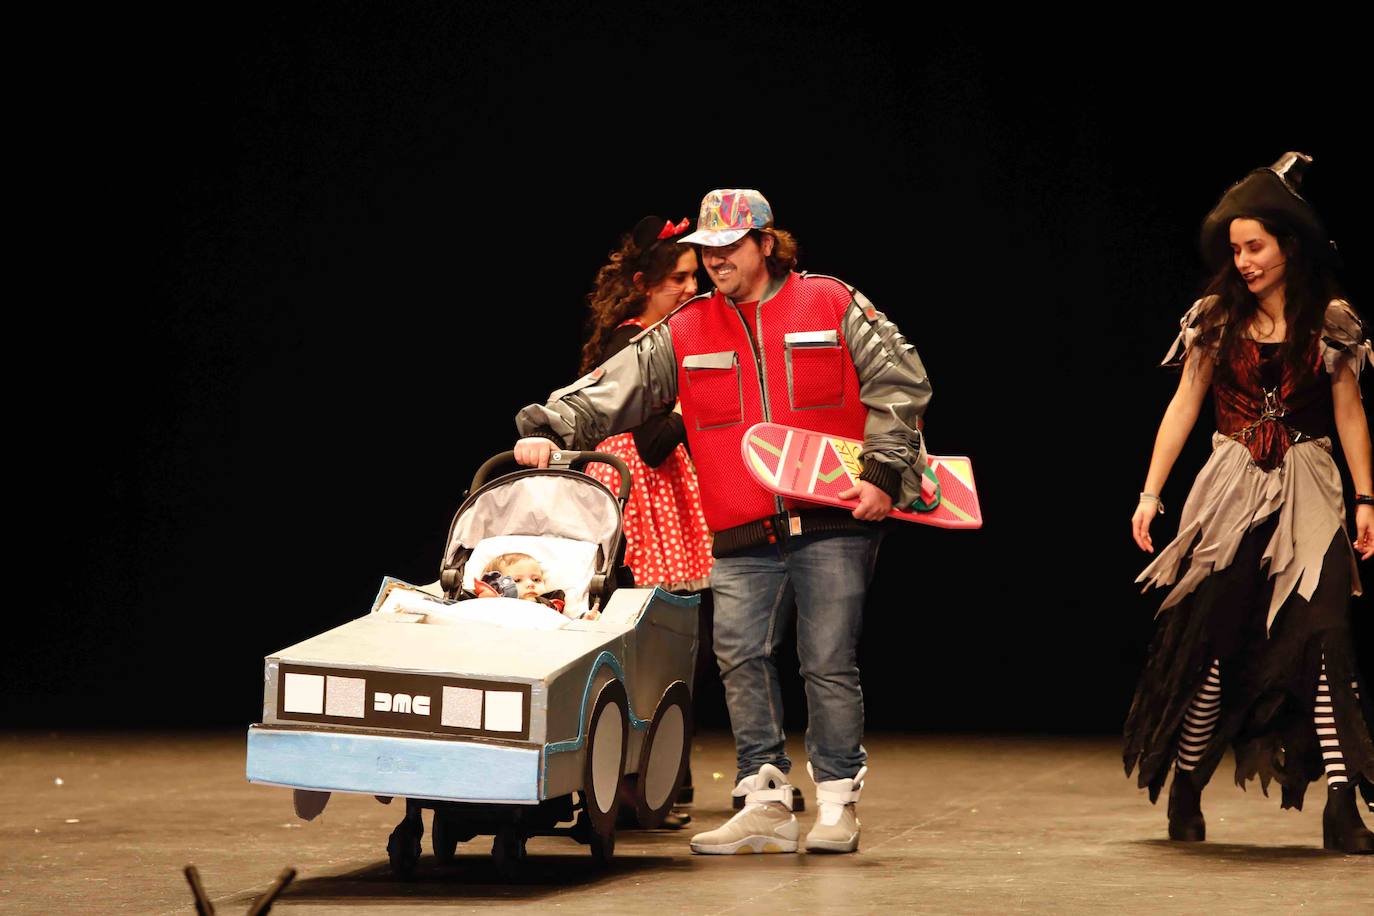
[(802, 350)]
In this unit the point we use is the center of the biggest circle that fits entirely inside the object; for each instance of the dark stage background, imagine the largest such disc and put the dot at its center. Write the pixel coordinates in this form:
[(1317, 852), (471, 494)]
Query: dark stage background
[(309, 263)]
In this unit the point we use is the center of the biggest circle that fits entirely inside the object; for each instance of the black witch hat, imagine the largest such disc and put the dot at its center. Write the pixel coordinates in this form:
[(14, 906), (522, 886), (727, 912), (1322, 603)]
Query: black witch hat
[(1268, 193)]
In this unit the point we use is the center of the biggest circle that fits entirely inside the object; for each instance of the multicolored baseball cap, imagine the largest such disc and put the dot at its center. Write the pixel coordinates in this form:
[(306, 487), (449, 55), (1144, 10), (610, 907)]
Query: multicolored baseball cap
[(727, 215)]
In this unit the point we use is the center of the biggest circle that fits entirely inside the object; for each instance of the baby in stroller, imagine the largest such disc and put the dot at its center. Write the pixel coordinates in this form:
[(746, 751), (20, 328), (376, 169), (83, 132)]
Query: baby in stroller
[(517, 575)]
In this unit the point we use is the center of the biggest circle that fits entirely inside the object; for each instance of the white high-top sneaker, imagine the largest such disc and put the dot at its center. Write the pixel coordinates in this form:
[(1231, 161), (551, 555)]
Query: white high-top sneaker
[(837, 821), (766, 823)]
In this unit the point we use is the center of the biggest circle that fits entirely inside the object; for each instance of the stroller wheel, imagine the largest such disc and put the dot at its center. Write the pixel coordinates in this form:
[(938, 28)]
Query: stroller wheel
[(444, 838), (508, 852), (603, 848), (403, 847)]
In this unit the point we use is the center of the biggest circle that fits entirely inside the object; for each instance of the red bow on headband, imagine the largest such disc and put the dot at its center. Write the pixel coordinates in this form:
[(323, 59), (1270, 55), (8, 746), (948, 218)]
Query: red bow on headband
[(669, 230)]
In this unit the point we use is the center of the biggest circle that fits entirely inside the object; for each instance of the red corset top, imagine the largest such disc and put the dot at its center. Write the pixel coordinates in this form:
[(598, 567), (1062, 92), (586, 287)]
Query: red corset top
[(1266, 406)]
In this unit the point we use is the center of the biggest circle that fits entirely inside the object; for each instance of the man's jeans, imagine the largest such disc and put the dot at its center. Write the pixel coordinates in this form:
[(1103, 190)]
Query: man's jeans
[(824, 579)]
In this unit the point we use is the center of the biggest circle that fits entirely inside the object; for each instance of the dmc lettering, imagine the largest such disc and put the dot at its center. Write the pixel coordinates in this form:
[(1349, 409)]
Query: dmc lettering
[(400, 702)]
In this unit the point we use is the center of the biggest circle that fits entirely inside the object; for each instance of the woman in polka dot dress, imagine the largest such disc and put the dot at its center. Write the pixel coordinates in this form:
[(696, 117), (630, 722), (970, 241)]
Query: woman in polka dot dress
[(667, 541)]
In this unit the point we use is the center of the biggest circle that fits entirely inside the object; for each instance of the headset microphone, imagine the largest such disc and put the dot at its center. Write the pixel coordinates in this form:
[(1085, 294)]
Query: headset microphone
[(1260, 271)]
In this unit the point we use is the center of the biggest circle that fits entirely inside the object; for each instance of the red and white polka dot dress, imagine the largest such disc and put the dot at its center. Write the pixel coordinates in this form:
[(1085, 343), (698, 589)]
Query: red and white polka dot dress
[(667, 542)]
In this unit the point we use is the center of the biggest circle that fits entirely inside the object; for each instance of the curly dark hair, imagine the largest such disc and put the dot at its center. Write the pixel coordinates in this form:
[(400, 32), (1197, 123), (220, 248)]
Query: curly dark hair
[(785, 250), (1309, 284), (616, 296)]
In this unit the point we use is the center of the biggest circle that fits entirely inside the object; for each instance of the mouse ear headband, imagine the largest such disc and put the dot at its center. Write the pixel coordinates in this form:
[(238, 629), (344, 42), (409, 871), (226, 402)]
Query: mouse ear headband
[(651, 230)]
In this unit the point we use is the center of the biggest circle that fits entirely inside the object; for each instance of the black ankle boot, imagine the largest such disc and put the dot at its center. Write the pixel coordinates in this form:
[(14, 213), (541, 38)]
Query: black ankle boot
[(1185, 810), (1342, 829)]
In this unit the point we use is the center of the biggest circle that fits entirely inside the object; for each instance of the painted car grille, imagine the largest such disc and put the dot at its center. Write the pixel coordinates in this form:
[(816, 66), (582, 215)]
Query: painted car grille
[(414, 702)]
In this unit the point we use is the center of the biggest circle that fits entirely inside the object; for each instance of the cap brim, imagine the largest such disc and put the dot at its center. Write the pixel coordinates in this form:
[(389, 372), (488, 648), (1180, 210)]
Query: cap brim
[(714, 239)]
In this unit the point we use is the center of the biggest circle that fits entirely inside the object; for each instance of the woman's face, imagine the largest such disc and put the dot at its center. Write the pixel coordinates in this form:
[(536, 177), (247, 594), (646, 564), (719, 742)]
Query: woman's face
[(674, 289), (1258, 257)]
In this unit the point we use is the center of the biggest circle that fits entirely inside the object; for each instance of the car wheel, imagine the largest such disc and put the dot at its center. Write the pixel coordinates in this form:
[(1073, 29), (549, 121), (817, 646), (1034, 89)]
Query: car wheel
[(607, 741), (663, 758)]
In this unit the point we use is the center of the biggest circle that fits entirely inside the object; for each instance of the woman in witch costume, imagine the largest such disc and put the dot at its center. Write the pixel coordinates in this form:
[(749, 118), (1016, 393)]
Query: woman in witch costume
[(1254, 647)]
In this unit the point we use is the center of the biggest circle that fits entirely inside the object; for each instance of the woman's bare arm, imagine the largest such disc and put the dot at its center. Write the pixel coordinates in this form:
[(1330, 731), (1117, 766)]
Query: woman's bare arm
[(1353, 429), (1178, 421)]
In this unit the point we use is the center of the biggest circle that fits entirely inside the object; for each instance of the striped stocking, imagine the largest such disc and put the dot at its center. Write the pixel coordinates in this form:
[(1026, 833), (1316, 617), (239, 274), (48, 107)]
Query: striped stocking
[(1325, 719), (1201, 719)]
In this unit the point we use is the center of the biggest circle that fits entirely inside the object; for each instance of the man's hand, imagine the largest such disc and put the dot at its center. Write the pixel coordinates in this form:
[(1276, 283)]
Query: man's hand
[(534, 451), (874, 504)]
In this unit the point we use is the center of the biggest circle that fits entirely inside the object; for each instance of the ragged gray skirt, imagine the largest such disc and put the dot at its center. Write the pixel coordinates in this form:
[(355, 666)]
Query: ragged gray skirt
[(1263, 572)]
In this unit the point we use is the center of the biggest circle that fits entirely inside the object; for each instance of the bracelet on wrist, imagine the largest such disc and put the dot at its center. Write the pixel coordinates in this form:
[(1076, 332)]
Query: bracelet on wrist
[(1364, 499), (1154, 498)]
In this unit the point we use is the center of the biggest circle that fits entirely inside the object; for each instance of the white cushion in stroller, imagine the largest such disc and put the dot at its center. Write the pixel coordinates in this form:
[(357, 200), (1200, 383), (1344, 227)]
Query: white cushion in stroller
[(511, 613), (568, 564)]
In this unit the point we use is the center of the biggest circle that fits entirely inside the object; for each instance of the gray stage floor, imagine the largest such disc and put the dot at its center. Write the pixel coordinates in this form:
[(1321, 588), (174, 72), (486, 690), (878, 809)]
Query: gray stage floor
[(951, 825)]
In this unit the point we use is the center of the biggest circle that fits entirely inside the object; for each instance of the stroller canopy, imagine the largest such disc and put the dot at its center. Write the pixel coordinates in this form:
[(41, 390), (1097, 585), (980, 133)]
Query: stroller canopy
[(559, 503)]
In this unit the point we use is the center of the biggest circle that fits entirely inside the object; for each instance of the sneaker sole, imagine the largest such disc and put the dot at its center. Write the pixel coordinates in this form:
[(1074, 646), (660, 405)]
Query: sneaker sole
[(850, 845), (746, 846)]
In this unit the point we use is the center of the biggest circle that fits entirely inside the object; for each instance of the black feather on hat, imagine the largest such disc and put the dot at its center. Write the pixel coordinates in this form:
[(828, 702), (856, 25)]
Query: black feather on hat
[(1270, 193)]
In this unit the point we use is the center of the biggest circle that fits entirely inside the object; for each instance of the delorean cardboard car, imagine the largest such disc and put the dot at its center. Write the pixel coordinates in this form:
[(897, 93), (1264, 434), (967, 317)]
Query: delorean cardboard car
[(504, 717)]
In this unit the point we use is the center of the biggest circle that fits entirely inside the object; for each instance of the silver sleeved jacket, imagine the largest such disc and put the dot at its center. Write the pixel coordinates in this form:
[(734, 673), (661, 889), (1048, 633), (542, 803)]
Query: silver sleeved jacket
[(869, 383), (894, 387), (621, 393)]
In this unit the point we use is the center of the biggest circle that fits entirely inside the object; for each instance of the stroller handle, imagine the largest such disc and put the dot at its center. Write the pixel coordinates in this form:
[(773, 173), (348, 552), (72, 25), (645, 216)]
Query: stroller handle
[(561, 458)]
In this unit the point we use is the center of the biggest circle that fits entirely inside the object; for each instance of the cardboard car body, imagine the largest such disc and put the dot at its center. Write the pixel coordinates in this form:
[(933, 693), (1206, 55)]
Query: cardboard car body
[(399, 703), (502, 716)]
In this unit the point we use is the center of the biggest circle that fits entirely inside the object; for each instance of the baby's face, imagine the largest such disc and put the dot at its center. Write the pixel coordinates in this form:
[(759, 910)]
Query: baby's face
[(528, 576)]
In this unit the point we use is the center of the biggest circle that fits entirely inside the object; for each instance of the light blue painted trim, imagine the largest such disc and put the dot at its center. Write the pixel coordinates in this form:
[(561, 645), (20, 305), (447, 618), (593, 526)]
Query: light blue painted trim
[(573, 744), (679, 600), (607, 658), (331, 761)]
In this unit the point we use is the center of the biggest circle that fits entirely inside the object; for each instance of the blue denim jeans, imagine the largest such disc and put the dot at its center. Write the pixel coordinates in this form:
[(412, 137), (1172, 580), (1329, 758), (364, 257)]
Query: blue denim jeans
[(823, 580)]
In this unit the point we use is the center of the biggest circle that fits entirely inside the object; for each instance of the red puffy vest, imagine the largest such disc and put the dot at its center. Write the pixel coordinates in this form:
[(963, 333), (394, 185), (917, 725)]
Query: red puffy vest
[(805, 378)]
